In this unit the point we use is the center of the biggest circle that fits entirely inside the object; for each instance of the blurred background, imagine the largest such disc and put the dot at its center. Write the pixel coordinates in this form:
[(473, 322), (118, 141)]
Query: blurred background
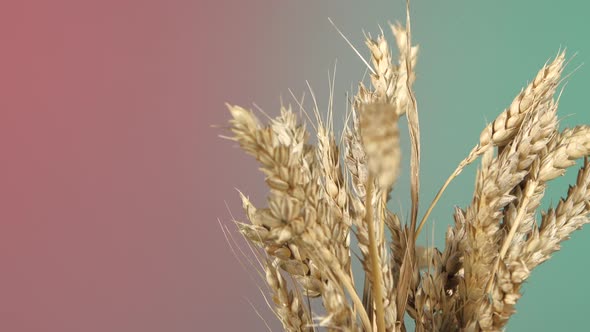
[(114, 182)]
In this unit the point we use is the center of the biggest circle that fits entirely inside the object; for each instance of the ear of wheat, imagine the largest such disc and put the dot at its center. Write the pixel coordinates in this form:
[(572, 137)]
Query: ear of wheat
[(322, 194)]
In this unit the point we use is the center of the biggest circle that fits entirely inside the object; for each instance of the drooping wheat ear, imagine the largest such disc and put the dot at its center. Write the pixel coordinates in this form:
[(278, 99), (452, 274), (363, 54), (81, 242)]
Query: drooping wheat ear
[(288, 306), (503, 129), (532, 139), (540, 136), (556, 226), (538, 128), (558, 154), (527, 253), (539, 91), (572, 144), (504, 175), (497, 178)]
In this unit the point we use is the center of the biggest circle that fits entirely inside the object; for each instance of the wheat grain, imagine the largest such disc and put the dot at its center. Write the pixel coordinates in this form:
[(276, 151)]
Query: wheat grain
[(288, 307), (384, 78)]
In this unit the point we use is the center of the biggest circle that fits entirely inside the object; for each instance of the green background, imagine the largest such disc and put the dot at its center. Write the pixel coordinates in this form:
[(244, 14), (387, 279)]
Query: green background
[(474, 58)]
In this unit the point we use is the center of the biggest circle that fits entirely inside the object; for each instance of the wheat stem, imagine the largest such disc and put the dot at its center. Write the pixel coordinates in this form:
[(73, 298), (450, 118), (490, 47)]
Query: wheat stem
[(439, 195), (345, 279), (375, 264)]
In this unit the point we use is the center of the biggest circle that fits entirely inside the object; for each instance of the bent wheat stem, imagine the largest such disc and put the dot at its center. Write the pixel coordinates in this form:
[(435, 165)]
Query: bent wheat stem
[(344, 278), (457, 171)]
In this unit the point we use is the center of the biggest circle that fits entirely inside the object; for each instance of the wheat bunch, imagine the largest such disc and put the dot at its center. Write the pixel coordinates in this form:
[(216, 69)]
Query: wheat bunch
[(323, 194)]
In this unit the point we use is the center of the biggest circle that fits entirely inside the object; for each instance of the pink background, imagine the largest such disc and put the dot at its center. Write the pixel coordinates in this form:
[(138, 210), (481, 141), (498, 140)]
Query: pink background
[(112, 178)]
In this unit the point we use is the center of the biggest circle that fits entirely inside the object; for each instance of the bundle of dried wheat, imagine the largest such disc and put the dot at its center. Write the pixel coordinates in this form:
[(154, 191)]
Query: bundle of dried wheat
[(315, 205)]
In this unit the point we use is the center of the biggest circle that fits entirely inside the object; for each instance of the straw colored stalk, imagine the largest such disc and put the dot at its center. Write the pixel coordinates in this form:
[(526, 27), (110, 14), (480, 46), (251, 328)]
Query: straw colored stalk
[(382, 161), (380, 142)]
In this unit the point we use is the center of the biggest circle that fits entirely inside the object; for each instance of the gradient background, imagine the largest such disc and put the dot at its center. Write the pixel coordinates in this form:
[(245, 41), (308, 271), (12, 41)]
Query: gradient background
[(112, 179)]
